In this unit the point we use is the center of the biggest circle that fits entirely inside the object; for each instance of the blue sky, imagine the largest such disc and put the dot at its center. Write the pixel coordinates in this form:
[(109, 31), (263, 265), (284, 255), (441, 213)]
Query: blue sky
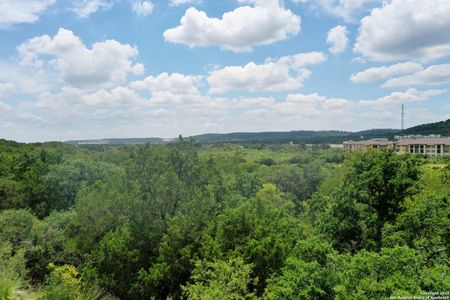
[(85, 69)]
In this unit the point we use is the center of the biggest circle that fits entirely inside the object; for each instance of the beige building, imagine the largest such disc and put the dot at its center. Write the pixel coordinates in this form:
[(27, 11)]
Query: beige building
[(369, 144), (432, 145), (427, 145)]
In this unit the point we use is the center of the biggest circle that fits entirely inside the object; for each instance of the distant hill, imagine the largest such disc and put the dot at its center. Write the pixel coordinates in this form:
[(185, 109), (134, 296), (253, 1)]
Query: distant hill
[(442, 128), (322, 137), (266, 136), (118, 141), (275, 137), (282, 137), (302, 136)]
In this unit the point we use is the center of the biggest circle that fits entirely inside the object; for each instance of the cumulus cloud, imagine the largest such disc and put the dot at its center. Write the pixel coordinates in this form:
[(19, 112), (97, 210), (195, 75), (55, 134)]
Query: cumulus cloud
[(106, 64), (348, 10), (263, 23), (433, 75), (300, 60), (6, 89), (337, 39), (397, 98), (314, 111), (116, 97), (285, 73), (26, 80), (24, 11), (406, 30), (310, 105), (385, 72), (266, 77), (121, 111), (175, 83), (143, 8), (84, 8), (181, 2)]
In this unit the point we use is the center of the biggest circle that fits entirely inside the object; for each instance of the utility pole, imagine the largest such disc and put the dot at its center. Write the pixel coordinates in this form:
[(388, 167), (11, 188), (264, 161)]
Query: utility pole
[(403, 117)]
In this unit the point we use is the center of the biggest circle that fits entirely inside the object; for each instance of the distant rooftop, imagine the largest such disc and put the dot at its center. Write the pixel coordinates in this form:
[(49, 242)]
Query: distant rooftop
[(381, 141), (424, 140), (417, 136), (404, 140)]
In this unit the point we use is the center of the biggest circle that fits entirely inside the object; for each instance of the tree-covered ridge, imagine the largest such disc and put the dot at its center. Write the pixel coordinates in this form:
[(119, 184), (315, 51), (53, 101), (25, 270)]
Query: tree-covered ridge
[(190, 221), (442, 128), (295, 136)]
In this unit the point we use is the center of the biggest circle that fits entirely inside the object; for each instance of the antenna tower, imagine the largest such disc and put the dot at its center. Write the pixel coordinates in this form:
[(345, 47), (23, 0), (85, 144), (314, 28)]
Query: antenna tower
[(403, 116)]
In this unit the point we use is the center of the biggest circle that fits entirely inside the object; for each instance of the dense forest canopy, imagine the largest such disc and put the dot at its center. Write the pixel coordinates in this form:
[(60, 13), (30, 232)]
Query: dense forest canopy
[(190, 221)]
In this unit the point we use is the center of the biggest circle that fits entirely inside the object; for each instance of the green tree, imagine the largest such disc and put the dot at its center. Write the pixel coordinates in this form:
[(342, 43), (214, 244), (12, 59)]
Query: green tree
[(371, 275), (261, 230), (227, 280), (116, 262), (374, 189), (63, 181), (306, 273), (17, 228)]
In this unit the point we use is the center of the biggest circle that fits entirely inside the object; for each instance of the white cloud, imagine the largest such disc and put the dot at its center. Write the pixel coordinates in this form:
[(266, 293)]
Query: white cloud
[(255, 101), (239, 30), (406, 30), (433, 75), (385, 72), (285, 73), (298, 61), (397, 98), (121, 112), (84, 8), (266, 77), (143, 8), (337, 38), (106, 64), (316, 112), (348, 10), (181, 2), (23, 11), (6, 89), (115, 97), (25, 80), (311, 105), (4, 106), (176, 83)]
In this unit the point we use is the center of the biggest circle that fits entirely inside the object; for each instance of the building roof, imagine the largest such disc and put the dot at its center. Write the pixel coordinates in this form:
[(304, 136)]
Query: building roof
[(424, 141), (371, 142)]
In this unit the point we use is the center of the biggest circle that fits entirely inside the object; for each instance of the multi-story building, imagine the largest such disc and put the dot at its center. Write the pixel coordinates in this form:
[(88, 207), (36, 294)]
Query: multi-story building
[(432, 145), (369, 144)]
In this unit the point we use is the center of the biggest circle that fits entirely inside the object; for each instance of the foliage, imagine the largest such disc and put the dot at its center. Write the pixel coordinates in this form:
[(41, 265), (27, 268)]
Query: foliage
[(17, 228), (373, 191), (227, 280), (12, 271), (306, 274), (261, 230), (64, 283), (220, 221), (442, 128)]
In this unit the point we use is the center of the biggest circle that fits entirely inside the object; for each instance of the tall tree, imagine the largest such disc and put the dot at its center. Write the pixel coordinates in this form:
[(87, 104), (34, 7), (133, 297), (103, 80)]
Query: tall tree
[(373, 191)]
